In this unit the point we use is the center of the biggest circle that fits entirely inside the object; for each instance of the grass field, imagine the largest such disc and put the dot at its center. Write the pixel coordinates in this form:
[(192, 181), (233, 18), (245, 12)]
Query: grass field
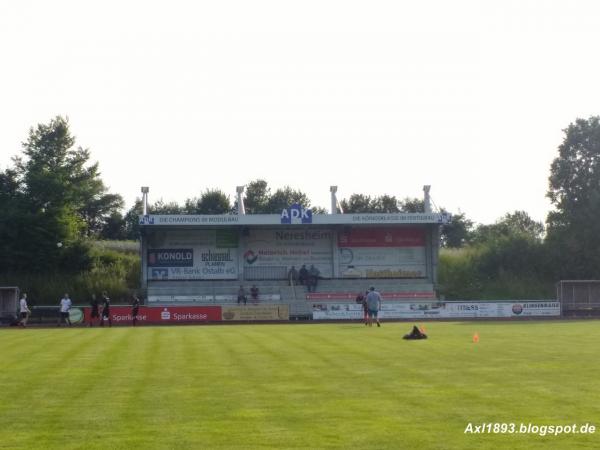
[(298, 386)]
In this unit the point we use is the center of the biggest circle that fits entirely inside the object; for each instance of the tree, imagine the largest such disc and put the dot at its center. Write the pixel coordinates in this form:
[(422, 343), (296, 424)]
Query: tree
[(412, 205), (574, 190), (132, 220), (357, 204), (385, 204), (283, 198), (50, 200), (318, 210), (213, 202), (256, 197), (54, 175), (518, 223), (115, 227), (457, 233)]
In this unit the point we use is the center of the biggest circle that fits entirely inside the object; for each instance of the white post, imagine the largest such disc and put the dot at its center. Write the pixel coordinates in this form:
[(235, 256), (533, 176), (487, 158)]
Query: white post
[(334, 202), (426, 198), (145, 190), (241, 210)]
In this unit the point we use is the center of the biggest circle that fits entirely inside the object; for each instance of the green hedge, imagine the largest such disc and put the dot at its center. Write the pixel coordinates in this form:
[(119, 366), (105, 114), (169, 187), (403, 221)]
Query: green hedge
[(466, 274), (112, 269)]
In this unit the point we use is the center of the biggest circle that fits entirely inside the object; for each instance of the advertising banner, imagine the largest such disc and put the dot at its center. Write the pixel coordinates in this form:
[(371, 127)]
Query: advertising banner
[(192, 255), (170, 314), (156, 221), (287, 247), (382, 253), (382, 237), (442, 310), (256, 312)]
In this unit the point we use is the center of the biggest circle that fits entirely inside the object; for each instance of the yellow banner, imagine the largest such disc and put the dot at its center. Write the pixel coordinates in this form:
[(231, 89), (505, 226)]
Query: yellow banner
[(256, 312)]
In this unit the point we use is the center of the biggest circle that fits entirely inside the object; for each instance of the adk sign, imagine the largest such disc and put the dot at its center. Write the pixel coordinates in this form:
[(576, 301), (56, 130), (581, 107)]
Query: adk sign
[(296, 214)]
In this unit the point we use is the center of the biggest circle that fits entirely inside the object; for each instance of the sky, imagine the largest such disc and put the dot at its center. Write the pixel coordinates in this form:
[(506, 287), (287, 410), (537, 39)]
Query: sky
[(376, 97)]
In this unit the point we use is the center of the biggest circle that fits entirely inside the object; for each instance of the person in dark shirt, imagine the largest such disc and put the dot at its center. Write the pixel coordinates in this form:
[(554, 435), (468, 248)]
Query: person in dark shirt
[(95, 314), (313, 278), (105, 310), (254, 292), (362, 299), (303, 274), (135, 307), (241, 297)]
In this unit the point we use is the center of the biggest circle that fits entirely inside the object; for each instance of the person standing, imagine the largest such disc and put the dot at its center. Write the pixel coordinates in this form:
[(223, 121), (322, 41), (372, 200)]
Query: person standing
[(105, 310), (313, 278), (362, 300), (254, 293), (241, 297), (65, 307), (95, 314), (293, 276), (303, 274), (374, 305), (23, 310), (135, 308)]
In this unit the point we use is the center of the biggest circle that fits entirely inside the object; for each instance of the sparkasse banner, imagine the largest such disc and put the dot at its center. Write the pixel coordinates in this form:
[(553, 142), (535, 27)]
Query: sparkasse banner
[(158, 315)]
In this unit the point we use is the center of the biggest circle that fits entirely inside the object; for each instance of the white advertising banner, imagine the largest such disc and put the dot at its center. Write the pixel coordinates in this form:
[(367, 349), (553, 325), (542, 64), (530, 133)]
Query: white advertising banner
[(442, 310), (385, 252), (192, 255), (157, 220), (382, 262), (286, 247)]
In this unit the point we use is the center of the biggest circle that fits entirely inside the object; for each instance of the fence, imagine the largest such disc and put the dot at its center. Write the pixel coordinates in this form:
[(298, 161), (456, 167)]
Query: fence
[(579, 297)]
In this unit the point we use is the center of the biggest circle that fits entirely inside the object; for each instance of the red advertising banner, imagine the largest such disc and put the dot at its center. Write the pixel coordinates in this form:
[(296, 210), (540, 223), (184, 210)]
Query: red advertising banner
[(382, 237), (162, 314)]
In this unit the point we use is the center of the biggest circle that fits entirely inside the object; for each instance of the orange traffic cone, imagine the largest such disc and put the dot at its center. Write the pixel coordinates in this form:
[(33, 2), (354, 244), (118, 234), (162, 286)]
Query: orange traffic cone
[(476, 338)]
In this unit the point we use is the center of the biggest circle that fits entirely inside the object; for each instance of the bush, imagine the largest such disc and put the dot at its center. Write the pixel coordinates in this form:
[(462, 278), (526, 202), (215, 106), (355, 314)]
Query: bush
[(117, 272), (496, 271)]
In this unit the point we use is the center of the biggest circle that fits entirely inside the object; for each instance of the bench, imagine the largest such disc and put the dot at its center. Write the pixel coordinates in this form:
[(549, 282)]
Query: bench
[(44, 314)]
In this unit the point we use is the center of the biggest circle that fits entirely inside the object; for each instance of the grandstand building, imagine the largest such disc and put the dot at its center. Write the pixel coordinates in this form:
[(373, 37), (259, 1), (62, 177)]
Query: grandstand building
[(202, 260)]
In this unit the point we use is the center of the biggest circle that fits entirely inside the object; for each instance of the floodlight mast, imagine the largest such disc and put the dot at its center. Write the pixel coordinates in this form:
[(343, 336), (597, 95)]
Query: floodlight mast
[(334, 201), (426, 198), (241, 210), (145, 190)]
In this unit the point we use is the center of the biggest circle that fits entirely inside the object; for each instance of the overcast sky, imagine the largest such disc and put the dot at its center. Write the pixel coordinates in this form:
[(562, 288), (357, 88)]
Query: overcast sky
[(375, 97)]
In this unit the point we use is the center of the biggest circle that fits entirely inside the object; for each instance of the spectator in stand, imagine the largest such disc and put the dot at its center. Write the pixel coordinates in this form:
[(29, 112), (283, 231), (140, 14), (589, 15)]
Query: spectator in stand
[(313, 278), (94, 314), (65, 307), (105, 310), (242, 295), (23, 310), (293, 276), (254, 292), (303, 275), (135, 309), (374, 305)]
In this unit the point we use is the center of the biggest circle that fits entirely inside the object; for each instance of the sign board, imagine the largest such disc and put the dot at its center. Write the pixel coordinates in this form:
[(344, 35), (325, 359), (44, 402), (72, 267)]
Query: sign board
[(255, 312), (192, 255), (163, 315), (287, 247), (151, 221), (441, 310), (386, 252)]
